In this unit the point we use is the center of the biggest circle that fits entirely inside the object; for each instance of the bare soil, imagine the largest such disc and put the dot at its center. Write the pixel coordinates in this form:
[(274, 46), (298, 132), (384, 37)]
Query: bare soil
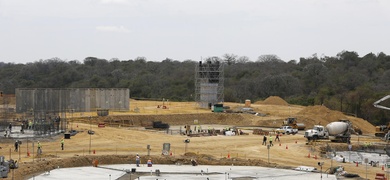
[(124, 135)]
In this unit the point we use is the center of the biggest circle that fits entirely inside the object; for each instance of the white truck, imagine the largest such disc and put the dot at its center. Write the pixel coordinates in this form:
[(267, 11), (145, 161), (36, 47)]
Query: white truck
[(286, 130), (339, 131)]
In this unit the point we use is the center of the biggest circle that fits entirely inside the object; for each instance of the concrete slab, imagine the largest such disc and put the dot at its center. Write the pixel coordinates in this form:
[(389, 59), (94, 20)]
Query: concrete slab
[(181, 172), (356, 156), (80, 173), (28, 133)]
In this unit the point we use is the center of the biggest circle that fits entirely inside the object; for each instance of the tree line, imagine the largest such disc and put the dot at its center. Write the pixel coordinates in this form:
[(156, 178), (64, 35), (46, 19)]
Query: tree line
[(345, 82)]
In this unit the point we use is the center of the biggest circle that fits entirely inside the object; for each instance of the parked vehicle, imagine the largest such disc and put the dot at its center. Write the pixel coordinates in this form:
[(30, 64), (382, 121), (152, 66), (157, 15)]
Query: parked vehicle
[(286, 130)]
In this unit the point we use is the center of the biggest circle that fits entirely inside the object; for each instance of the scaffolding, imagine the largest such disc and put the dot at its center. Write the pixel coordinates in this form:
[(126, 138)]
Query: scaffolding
[(209, 83), (6, 111)]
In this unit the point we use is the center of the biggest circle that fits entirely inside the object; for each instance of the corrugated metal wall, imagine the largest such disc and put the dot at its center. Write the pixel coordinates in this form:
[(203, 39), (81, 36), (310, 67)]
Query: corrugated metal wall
[(76, 99)]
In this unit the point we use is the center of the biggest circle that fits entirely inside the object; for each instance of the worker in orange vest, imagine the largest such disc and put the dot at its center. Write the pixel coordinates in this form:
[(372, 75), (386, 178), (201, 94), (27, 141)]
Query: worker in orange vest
[(149, 163)]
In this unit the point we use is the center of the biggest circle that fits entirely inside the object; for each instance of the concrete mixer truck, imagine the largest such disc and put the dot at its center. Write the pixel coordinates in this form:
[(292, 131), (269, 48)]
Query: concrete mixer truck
[(338, 131)]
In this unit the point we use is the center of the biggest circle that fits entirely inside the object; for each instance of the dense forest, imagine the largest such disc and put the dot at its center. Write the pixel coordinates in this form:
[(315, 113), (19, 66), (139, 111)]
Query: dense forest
[(345, 82)]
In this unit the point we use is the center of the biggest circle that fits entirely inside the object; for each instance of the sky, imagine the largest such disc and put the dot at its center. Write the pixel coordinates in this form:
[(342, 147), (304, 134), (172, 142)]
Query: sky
[(33, 30)]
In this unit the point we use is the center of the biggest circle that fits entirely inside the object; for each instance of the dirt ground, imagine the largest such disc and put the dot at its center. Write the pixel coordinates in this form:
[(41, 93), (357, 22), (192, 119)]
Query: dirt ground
[(124, 135)]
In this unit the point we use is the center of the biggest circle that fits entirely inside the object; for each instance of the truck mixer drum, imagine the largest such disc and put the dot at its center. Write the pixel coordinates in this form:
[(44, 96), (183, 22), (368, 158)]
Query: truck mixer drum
[(336, 127)]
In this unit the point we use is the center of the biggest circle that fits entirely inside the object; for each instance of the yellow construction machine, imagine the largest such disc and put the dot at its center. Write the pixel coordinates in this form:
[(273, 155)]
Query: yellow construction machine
[(292, 121), (382, 130)]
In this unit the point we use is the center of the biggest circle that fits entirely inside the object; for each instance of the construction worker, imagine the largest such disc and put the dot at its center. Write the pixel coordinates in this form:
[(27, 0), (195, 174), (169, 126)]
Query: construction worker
[(149, 162), (16, 146), (30, 124), (264, 140), (277, 137), (39, 151), (366, 146), (62, 144), (22, 128), (137, 160), (188, 128), (270, 140), (10, 129), (193, 162)]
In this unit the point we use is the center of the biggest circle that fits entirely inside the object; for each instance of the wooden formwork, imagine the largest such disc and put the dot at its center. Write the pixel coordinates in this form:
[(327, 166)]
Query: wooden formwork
[(260, 132)]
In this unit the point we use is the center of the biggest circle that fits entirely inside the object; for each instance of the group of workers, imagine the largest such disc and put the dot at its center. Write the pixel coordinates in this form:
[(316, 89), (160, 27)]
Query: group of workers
[(23, 126), (270, 139), (39, 146), (368, 146), (138, 161), (210, 130), (17, 146), (197, 129)]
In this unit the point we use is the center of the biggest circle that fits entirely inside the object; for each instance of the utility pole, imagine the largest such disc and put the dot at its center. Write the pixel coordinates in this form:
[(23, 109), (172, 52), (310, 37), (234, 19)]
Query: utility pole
[(366, 161), (90, 134), (19, 150), (186, 144), (268, 147), (321, 164)]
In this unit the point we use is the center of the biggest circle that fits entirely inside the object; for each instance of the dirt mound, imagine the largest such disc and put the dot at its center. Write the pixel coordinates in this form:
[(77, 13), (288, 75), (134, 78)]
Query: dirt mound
[(322, 111), (321, 115), (273, 100)]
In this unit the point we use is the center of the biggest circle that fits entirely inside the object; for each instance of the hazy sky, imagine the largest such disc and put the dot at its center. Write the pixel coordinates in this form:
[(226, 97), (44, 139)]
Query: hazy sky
[(31, 30)]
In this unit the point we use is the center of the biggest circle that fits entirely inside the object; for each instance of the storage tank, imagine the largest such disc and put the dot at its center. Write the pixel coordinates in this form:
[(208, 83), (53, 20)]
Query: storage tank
[(335, 128)]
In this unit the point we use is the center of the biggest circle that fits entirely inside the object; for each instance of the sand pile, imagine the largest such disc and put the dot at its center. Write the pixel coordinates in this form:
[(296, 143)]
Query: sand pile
[(320, 115), (312, 115), (273, 100), (322, 112)]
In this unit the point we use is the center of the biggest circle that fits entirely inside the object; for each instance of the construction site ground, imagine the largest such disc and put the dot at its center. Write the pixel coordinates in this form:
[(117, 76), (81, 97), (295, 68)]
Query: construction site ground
[(125, 134)]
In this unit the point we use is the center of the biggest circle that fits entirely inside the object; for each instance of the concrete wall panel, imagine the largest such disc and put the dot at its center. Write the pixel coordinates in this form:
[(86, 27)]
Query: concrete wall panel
[(76, 99)]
